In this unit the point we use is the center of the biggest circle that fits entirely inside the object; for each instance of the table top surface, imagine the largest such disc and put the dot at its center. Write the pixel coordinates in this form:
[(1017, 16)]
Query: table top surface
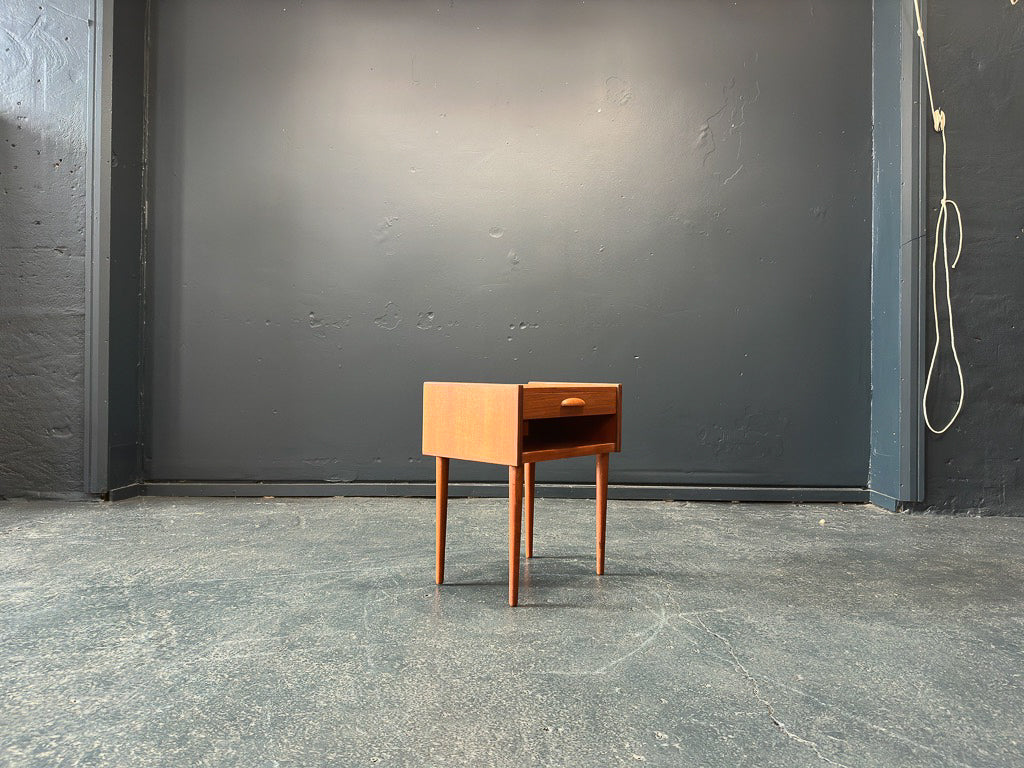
[(530, 383)]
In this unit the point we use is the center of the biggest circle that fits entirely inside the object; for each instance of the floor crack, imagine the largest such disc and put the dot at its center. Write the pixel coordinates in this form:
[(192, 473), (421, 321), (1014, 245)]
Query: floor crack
[(755, 688), (654, 630)]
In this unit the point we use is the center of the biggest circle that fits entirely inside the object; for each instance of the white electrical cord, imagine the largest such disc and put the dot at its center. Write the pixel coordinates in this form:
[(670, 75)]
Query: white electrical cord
[(941, 235)]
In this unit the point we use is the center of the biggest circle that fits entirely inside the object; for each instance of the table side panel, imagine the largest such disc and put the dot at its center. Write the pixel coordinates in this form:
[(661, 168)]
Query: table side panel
[(474, 422)]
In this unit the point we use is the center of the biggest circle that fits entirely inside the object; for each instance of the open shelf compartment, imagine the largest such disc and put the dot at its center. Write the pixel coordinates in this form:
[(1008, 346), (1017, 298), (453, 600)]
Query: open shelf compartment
[(562, 438)]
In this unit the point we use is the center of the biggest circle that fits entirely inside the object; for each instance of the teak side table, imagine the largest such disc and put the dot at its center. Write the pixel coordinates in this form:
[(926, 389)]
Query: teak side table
[(518, 425)]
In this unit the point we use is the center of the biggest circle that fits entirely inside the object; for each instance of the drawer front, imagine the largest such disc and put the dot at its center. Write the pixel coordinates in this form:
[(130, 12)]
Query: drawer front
[(555, 402)]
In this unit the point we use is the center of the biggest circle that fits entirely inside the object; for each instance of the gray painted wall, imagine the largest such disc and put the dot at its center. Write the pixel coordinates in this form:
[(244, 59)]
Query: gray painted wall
[(977, 63), (351, 198), (44, 106), (978, 70), (897, 252), (887, 194)]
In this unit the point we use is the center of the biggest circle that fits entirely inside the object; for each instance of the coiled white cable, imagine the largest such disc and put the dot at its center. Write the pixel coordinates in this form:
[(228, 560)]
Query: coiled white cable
[(941, 237)]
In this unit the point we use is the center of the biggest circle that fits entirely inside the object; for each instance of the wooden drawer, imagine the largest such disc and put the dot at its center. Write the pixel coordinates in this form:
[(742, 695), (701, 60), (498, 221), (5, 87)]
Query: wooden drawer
[(546, 401)]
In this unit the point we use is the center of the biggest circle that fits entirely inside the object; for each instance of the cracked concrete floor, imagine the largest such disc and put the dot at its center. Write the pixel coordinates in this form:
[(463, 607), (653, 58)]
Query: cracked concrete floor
[(260, 632)]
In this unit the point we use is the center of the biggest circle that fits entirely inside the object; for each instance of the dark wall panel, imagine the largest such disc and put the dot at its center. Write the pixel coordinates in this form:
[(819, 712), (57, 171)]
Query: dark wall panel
[(350, 198), (977, 62), (128, 113)]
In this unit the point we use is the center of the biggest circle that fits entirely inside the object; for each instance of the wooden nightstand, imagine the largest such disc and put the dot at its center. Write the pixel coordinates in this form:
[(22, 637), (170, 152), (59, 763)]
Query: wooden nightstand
[(518, 425)]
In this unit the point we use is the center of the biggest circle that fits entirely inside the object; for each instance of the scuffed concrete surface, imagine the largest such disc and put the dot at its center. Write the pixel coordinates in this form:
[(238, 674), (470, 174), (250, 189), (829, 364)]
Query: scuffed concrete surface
[(309, 632), (44, 66), (976, 53)]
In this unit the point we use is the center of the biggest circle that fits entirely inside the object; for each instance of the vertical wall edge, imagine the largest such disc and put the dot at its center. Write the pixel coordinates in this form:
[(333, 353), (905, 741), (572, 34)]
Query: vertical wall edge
[(896, 465), (97, 322), (915, 234)]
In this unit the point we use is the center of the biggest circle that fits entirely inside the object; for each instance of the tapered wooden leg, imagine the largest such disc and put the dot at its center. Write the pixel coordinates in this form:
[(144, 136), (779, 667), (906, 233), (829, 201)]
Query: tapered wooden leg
[(441, 507), (515, 519), (528, 516), (602, 507)]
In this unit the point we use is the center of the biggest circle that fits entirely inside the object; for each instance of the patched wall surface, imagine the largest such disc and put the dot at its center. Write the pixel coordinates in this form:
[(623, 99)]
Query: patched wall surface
[(44, 89), (348, 199), (977, 67), (976, 54)]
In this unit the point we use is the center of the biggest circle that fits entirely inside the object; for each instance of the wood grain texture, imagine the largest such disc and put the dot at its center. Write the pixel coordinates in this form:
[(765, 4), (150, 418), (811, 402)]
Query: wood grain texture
[(567, 450), (530, 470), (476, 422), (519, 425), (618, 417), (602, 507), (515, 519), (441, 516), (545, 401)]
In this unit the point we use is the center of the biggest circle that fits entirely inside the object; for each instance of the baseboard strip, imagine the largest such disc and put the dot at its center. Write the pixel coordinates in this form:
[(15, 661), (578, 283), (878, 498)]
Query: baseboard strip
[(498, 490)]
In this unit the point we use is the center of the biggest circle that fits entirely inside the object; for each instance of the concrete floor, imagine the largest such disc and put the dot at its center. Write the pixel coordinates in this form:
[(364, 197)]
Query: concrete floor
[(306, 632)]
